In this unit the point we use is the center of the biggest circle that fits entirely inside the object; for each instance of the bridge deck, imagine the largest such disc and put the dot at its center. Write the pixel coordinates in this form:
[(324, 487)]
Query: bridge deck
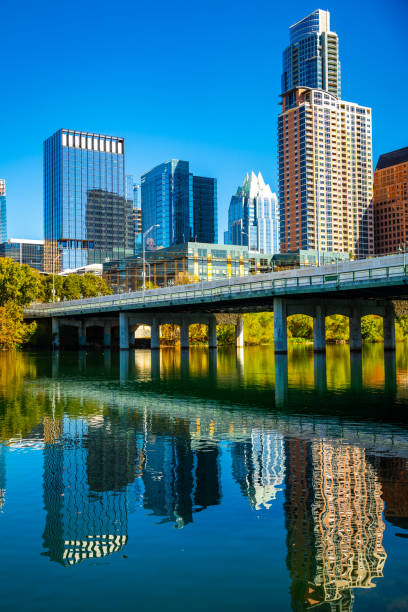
[(369, 278)]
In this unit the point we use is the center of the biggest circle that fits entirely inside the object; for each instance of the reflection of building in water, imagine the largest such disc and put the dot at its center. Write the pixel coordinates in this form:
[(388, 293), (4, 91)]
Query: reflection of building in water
[(393, 474), (334, 522), (178, 478), (2, 477), (86, 507), (258, 467)]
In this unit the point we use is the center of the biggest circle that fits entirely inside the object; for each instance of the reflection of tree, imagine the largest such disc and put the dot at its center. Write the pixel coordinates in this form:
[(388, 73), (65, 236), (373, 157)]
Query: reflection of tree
[(334, 522)]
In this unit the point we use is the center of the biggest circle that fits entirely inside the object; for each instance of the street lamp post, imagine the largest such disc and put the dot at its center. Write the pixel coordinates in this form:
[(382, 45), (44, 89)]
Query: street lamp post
[(144, 253), (54, 261)]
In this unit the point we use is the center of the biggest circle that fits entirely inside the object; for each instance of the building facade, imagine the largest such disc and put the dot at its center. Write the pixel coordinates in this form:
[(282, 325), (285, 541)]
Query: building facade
[(184, 263), (253, 216), (133, 197), (23, 251), (325, 174), (183, 206), (3, 211), (390, 202), (87, 218), (312, 57)]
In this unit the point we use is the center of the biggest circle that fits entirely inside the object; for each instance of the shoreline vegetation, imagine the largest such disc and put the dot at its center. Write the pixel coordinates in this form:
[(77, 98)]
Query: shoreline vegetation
[(20, 285)]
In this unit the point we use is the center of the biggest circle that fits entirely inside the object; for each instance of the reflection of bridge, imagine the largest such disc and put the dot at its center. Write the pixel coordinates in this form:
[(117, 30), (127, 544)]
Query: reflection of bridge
[(354, 289)]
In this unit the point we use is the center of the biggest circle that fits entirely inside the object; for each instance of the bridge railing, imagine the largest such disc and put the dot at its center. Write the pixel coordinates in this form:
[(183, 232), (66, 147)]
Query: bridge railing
[(326, 277)]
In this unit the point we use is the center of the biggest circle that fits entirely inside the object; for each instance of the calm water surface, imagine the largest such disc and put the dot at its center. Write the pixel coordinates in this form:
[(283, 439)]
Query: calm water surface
[(204, 481)]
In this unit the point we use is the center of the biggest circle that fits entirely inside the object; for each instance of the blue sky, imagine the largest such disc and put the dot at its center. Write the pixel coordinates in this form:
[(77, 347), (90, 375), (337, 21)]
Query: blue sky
[(192, 80)]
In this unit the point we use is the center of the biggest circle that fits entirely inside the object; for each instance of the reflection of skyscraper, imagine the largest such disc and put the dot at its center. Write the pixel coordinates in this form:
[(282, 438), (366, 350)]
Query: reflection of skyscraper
[(178, 479), (86, 511), (334, 523), (258, 467), (393, 474)]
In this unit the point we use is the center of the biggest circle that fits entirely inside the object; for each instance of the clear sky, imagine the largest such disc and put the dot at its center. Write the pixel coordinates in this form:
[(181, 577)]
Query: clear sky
[(194, 80)]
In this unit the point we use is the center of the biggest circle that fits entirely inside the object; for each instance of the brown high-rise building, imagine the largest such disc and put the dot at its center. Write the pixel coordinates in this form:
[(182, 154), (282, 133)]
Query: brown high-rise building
[(390, 202)]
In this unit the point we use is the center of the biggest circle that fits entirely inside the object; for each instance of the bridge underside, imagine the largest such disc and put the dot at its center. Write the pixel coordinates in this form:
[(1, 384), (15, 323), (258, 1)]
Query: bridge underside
[(317, 307)]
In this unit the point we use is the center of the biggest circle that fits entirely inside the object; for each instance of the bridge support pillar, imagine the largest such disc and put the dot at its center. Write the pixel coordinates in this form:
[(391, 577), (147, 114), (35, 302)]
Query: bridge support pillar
[(155, 334), (184, 339), (355, 330), (82, 335), (55, 333), (239, 332), (280, 332), (319, 329), (389, 328), (107, 335), (212, 333), (131, 336), (123, 331)]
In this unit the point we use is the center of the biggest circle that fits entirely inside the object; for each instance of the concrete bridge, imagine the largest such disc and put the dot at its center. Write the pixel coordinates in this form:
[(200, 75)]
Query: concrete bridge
[(354, 289)]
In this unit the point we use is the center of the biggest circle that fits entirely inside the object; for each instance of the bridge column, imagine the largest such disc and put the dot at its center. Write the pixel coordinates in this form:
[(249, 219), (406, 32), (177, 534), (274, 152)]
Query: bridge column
[(131, 336), (355, 330), (155, 334), (389, 328), (123, 331), (107, 335), (319, 329), (82, 335), (239, 332), (212, 333), (55, 333), (280, 332), (184, 339)]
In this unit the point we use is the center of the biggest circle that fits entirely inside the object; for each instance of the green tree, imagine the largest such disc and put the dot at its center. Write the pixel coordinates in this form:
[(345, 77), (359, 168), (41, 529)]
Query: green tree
[(337, 329), (13, 330), (19, 284), (371, 328), (300, 326)]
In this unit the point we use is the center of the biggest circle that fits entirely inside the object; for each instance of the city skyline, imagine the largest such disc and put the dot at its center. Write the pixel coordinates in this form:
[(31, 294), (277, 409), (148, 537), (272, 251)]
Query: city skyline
[(207, 134)]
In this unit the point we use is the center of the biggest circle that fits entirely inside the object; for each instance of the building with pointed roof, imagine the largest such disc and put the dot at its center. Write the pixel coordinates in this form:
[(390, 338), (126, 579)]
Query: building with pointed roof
[(253, 216)]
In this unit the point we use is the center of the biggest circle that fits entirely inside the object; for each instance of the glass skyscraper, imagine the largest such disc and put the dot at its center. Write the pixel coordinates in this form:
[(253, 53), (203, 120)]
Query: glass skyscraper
[(86, 215), (253, 216), (182, 205), (312, 57), (3, 211)]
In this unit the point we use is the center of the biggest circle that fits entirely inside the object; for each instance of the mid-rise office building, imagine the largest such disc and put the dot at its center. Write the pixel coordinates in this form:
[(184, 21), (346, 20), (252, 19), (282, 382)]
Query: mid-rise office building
[(184, 263), (325, 149), (23, 251), (253, 216), (3, 211), (183, 206), (86, 215), (390, 202), (312, 57)]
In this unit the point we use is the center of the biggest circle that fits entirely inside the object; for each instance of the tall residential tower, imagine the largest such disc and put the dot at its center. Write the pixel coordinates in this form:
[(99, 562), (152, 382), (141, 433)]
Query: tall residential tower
[(325, 164), (3, 211), (86, 215), (312, 57)]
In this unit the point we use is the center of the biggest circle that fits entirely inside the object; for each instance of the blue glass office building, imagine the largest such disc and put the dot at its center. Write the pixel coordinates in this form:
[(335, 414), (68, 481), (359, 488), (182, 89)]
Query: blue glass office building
[(3, 211), (182, 205), (87, 218), (312, 57)]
